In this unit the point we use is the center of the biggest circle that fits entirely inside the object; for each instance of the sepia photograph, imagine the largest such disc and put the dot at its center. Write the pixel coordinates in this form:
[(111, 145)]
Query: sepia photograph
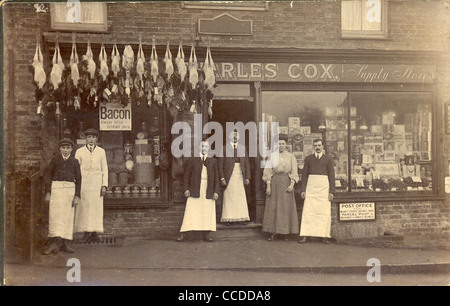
[(226, 150)]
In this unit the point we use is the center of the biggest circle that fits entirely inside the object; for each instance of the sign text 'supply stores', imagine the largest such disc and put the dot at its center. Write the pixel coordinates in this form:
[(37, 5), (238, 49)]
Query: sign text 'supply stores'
[(312, 72)]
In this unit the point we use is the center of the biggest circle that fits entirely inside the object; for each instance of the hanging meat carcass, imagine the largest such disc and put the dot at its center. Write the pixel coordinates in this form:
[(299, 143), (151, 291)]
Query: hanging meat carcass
[(128, 58), (103, 58), (38, 65), (168, 61), (154, 71), (57, 68), (74, 72), (208, 69), (180, 63), (193, 66), (115, 60), (89, 57), (127, 63), (140, 64)]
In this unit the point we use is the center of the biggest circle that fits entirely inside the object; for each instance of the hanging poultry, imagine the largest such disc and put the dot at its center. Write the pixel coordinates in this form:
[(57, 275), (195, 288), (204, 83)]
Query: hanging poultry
[(193, 66)]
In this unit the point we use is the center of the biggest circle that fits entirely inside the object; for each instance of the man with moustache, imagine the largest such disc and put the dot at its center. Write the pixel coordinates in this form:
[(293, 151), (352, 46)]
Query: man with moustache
[(234, 172), (318, 186)]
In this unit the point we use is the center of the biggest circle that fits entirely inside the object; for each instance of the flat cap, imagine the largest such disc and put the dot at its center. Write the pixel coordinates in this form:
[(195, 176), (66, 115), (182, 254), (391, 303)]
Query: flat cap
[(91, 132), (65, 141)]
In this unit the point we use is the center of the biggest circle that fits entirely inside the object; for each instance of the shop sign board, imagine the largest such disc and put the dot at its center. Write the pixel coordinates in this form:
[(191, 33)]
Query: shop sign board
[(356, 211), (115, 117), (317, 72)]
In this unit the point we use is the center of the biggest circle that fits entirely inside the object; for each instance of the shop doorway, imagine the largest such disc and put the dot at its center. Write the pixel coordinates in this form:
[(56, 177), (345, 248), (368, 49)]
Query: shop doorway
[(236, 111)]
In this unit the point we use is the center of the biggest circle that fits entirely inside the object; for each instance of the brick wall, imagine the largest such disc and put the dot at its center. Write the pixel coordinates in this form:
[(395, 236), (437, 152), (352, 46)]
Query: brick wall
[(417, 219)]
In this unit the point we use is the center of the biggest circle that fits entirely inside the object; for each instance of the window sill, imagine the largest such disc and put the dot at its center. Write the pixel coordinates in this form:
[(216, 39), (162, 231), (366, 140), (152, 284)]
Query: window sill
[(388, 196), (135, 202)]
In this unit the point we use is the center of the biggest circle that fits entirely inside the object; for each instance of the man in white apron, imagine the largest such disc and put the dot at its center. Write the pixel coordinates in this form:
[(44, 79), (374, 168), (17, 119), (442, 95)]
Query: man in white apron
[(94, 172), (63, 184), (318, 191), (234, 172)]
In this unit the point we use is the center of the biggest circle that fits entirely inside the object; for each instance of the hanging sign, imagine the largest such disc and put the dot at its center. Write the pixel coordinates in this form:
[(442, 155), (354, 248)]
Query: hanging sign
[(356, 211), (115, 117), (317, 72)]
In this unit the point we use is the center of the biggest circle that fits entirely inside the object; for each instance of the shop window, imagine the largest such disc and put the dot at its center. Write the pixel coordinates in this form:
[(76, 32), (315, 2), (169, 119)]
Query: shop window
[(133, 150), (390, 135), (306, 116), (364, 19), (391, 142), (74, 15)]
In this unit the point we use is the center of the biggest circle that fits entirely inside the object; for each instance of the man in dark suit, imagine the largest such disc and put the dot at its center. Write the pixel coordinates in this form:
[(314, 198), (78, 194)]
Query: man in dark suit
[(201, 185), (318, 186), (234, 172)]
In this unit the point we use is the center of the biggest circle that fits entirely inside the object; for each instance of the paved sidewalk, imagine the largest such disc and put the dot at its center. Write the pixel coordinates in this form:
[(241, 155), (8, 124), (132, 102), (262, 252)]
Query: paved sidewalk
[(253, 254)]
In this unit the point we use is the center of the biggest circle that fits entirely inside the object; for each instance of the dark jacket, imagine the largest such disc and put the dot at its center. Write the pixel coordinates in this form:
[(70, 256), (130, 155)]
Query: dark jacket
[(193, 173), (226, 164), (67, 171), (323, 166)]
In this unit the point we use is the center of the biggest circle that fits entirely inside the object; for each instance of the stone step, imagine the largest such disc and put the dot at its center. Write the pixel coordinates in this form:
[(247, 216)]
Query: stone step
[(238, 231)]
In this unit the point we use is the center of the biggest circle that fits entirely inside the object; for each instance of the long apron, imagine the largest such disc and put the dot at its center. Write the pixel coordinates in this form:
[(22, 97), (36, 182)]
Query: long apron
[(316, 216), (61, 212), (280, 211), (200, 213), (89, 213), (234, 199)]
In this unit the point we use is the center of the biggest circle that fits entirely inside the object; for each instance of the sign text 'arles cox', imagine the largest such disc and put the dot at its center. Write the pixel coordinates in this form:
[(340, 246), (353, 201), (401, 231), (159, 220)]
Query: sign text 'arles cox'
[(316, 72)]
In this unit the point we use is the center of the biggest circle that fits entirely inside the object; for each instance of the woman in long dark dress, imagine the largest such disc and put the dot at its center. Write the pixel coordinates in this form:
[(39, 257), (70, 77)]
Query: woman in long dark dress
[(280, 175)]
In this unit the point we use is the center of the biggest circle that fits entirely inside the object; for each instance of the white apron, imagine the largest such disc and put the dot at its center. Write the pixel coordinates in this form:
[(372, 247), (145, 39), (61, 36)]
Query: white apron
[(89, 213), (61, 212), (94, 173), (234, 199), (200, 213), (316, 215)]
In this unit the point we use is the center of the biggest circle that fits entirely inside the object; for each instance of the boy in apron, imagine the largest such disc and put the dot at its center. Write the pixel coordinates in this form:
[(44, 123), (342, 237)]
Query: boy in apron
[(63, 186)]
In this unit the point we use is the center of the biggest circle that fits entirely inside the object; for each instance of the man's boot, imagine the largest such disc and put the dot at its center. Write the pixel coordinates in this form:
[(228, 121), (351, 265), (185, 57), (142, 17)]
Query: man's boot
[(65, 247), (206, 237), (86, 237), (53, 247), (95, 238)]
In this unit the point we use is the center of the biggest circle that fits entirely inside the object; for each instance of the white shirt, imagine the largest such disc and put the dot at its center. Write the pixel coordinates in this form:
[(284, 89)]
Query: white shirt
[(319, 155)]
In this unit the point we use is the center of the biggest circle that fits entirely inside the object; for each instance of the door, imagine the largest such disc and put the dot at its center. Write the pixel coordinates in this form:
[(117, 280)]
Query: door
[(236, 111)]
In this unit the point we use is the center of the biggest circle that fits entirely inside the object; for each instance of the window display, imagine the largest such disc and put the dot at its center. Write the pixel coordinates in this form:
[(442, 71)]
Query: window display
[(306, 116), (389, 133), (391, 146)]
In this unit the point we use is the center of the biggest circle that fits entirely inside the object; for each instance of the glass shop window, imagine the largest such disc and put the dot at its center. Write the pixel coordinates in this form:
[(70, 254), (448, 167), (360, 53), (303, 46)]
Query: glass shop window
[(391, 141), (133, 155), (306, 116), (364, 18)]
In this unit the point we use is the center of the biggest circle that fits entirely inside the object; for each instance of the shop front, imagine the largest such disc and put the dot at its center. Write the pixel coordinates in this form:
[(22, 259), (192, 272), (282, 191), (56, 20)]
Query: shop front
[(379, 111), (378, 120)]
